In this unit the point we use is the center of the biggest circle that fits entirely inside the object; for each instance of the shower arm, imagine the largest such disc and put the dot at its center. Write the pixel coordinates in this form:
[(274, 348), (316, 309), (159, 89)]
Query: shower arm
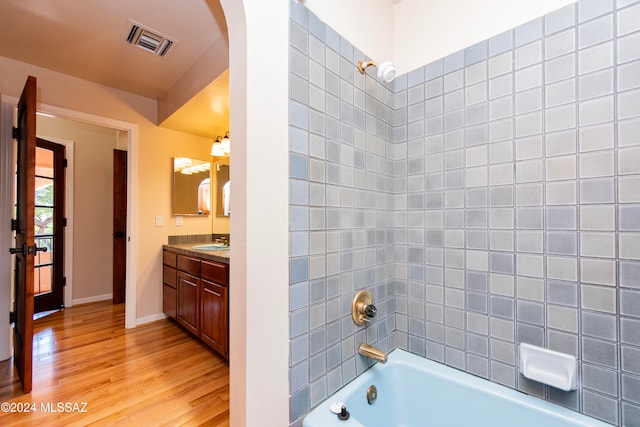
[(363, 65)]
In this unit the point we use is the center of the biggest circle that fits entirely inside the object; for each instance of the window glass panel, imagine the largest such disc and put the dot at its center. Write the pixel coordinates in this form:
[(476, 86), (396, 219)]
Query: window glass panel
[(43, 221), (43, 277), (44, 192), (44, 257), (44, 162)]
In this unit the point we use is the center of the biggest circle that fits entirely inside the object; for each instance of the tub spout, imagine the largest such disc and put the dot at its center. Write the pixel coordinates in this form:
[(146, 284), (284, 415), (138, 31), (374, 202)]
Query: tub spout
[(373, 353)]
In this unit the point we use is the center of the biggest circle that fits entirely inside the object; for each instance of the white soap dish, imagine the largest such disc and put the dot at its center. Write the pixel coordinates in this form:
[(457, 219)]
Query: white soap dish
[(549, 367)]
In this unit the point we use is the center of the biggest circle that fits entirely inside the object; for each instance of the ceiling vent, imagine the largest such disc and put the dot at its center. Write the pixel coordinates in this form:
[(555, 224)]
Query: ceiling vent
[(149, 40)]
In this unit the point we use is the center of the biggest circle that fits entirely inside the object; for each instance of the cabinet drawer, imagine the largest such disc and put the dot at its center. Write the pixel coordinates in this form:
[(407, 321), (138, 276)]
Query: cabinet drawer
[(215, 272), (188, 264), (169, 276), (169, 258)]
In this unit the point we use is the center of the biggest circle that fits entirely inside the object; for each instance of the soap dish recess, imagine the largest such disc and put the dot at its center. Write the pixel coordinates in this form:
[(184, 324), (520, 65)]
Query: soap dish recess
[(549, 367)]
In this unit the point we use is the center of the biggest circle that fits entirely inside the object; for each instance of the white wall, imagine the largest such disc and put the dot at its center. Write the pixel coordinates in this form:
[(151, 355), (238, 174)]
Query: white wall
[(413, 33), (367, 24), (259, 285), (424, 31)]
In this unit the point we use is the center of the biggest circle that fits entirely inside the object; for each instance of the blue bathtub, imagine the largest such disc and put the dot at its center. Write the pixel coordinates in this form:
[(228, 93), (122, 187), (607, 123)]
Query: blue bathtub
[(416, 392)]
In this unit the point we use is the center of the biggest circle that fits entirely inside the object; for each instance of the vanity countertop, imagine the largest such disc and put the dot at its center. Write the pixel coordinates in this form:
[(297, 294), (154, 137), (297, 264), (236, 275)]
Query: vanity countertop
[(187, 249)]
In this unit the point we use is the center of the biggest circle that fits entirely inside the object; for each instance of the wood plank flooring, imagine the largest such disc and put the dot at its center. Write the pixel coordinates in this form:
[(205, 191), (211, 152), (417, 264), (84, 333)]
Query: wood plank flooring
[(154, 375)]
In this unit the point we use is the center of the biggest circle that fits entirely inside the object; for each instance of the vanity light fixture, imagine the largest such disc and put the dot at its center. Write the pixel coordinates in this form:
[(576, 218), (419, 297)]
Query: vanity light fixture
[(221, 146)]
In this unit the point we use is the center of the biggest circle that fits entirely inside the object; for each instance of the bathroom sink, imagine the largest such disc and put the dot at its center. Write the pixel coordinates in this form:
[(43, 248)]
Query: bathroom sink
[(211, 247)]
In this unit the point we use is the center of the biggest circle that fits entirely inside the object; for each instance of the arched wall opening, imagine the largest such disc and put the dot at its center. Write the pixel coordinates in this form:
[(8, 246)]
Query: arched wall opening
[(259, 226)]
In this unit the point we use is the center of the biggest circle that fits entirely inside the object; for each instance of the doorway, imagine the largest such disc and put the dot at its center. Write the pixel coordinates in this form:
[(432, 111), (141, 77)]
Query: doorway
[(91, 217), (49, 221), (129, 139)]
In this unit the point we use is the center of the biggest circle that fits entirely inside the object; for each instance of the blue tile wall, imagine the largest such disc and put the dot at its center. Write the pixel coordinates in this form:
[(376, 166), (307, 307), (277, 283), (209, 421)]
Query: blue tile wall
[(340, 188), (487, 199)]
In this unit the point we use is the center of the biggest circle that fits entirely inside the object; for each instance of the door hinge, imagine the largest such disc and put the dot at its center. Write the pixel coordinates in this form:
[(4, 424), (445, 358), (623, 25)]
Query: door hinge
[(14, 225), (15, 133), (64, 163), (64, 281), (64, 222), (12, 317)]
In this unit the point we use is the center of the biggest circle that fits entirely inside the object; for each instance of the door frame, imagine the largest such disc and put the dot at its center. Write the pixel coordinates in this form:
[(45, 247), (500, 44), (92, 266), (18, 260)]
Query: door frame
[(7, 168), (7, 120)]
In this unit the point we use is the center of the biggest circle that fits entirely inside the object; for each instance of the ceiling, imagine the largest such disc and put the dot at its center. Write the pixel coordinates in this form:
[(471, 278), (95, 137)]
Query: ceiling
[(87, 39)]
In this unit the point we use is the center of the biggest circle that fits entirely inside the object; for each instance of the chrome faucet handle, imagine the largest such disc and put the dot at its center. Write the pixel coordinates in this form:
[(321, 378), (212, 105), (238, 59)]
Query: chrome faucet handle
[(370, 310)]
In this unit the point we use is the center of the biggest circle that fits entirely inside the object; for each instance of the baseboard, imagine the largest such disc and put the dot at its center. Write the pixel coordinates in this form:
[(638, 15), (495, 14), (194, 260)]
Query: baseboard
[(139, 321), (149, 319), (92, 299)]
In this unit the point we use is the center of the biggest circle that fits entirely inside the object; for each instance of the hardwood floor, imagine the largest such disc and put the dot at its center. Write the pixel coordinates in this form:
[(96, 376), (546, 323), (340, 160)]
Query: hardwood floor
[(154, 375)]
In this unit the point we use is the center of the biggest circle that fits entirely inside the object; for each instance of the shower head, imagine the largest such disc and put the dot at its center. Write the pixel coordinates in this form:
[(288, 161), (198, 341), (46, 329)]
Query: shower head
[(386, 69)]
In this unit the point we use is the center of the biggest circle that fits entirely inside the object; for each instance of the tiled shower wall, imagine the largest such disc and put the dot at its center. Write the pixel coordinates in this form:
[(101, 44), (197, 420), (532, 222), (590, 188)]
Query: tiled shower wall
[(522, 184), (506, 178), (340, 211)]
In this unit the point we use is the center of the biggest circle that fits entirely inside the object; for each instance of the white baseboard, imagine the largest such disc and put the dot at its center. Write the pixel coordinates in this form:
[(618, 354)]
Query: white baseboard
[(149, 319), (91, 299), (140, 321)]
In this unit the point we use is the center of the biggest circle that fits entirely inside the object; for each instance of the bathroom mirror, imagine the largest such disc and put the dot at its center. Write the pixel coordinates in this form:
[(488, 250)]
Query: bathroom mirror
[(191, 186), (223, 190)]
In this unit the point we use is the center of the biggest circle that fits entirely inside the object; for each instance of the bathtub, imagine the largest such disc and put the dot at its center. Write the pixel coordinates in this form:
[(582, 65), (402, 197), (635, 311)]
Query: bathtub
[(416, 392)]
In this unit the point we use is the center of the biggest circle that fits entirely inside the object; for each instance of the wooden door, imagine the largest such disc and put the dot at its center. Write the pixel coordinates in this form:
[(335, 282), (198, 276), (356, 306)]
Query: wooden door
[(119, 225), (24, 227), (49, 223)]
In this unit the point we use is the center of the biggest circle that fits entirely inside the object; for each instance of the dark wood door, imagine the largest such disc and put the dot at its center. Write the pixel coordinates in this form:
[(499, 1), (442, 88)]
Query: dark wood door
[(25, 248), (119, 225), (188, 307), (49, 223), (213, 320)]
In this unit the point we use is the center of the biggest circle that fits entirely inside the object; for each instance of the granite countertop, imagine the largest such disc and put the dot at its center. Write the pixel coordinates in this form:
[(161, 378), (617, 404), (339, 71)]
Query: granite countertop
[(187, 249)]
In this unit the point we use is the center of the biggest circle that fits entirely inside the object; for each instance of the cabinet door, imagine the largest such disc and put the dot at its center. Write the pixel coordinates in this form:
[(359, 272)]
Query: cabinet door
[(188, 308), (214, 316), (169, 300)]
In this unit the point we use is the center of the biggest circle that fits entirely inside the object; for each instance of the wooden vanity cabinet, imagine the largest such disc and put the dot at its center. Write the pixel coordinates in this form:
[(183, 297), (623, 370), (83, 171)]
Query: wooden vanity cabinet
[(196, 295)]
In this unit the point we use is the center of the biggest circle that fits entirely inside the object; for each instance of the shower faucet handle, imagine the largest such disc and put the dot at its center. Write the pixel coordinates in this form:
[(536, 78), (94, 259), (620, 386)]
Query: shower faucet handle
[(370, 310), (362, 308)]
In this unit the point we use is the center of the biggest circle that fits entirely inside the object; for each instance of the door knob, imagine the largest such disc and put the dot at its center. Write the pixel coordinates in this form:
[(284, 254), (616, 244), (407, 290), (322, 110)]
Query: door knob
[(28, 250), (14, 251)]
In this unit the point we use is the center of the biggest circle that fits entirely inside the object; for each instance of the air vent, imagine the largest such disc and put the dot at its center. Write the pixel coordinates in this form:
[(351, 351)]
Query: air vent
[(149, 40)]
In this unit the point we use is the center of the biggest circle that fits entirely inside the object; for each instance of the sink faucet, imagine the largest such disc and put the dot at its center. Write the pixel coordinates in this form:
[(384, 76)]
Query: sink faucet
[(222, 239), (373, 353)]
